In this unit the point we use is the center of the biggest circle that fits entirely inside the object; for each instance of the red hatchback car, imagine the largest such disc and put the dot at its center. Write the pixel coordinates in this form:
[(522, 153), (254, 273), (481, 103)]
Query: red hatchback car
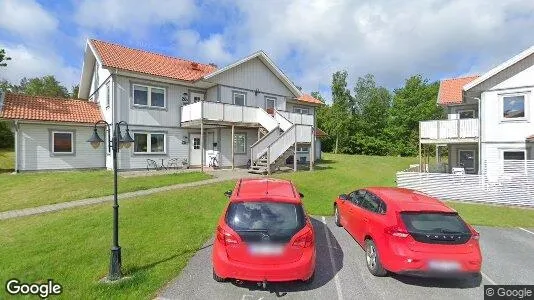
[(264, 234), (404, 231)]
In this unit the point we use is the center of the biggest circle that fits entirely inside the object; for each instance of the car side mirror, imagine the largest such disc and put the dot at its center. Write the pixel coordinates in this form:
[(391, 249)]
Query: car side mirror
[(228, 194), (343, 197), (301, 195)]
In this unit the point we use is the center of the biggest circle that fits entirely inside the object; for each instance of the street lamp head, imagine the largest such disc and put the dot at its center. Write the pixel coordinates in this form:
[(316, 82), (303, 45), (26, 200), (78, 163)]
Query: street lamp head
[(95, 139), (127, 140)]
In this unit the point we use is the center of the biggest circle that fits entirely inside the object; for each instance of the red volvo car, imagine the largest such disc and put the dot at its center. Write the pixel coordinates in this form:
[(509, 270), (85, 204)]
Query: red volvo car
[(404, 231), (264, 234)]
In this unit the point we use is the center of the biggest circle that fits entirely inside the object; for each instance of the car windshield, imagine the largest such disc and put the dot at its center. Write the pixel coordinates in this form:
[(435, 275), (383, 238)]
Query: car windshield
[(265, 221), (430, 222)]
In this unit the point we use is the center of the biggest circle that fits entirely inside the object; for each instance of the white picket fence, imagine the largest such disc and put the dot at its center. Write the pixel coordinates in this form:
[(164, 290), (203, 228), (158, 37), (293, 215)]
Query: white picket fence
[(512, 185)]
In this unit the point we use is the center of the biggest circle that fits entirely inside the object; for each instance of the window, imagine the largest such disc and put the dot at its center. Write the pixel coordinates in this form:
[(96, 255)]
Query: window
[(240, 143), (62, 142), (356, 197), (466, 114), (513, 107), (148, 96), (301, 110), (196, 143), (371, 203), (239, 98), (142, 145), (108, 94), (514, 155), (303, 149), (270, 103)]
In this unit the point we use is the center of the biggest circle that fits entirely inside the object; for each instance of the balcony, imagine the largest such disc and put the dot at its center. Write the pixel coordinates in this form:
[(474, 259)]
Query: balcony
[(449, 131), (297, 118)]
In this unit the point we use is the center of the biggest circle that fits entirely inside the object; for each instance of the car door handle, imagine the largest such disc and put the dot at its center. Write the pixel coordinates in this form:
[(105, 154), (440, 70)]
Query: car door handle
[(365, 219)]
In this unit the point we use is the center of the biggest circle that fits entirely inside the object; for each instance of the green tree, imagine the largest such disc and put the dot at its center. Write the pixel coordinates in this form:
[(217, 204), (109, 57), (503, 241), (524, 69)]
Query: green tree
[(414, 102), (339, 115), (75, 90), (44, 86), (3, 58)]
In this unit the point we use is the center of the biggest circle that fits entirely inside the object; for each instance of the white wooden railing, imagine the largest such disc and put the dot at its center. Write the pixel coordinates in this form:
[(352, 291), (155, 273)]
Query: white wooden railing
[(260, 147), (295, 134), (282, 120), (297, 118), (509, 182), (449, 129), (216, 111)]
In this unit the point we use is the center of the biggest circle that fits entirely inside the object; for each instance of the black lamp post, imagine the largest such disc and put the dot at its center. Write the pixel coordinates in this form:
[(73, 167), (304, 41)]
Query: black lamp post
[(114, 144)]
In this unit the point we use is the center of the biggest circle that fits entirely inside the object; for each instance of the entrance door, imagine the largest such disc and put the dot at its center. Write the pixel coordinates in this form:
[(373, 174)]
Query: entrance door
[(466, 159), (195, 153)]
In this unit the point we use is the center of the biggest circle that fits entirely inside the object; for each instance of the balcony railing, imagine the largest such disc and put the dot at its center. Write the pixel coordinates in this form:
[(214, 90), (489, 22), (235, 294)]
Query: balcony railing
[(449, 129), (297, 118)]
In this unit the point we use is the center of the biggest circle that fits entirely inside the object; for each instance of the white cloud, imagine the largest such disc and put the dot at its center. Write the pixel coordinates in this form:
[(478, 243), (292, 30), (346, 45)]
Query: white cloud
[(391, 39), (26, 18), (133, 16), (211, 49), (26, 62)]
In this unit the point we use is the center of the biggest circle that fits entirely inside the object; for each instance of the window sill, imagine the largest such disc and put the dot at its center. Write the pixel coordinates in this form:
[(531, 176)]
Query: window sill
[(518, 120), (62, 154), (149, 107), (149, 153)]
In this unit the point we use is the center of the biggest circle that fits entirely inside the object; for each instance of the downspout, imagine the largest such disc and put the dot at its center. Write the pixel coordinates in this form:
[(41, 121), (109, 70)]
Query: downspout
[(479, 136), (16, 127)]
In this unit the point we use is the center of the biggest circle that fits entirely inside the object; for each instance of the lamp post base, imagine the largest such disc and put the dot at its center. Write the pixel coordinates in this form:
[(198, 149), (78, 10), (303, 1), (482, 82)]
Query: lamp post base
[(115, 264)]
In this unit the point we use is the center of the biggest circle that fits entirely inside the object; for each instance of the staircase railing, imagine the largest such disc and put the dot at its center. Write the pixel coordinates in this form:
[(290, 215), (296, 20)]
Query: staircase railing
[(295, 134), (259, 148), (282, 120)]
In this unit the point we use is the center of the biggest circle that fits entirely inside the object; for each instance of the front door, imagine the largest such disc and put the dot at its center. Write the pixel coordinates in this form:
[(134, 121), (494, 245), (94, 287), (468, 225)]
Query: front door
[(195, 153), (466, 160)]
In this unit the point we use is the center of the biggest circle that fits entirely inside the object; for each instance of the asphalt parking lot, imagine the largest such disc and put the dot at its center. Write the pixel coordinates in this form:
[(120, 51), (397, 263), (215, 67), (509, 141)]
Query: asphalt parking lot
[(341, 272)]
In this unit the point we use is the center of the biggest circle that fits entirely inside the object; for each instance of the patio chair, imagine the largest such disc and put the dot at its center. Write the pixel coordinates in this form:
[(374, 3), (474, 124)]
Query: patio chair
[(152, 164), (173, 163)]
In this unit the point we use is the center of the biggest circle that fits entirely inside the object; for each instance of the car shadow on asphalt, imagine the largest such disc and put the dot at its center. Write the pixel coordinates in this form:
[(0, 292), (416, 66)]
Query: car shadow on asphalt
[(325, 270), (465, 282)]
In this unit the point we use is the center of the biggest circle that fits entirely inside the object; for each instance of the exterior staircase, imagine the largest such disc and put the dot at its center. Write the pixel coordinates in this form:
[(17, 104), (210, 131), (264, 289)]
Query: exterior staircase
[(270, 152)]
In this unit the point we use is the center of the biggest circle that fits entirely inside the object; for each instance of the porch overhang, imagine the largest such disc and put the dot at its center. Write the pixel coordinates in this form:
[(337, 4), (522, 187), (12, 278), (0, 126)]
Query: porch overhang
[(449, 141), (207, 123)]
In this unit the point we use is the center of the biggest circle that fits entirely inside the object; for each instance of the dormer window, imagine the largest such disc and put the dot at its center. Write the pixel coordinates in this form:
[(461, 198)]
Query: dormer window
[(513, 107), (149, 96)]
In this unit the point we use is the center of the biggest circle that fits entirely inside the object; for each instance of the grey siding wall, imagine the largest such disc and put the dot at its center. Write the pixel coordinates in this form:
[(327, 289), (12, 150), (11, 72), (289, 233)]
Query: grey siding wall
[(174, 148), (291, 105), (146, 116), (226, 146), (35, 150), (251, 98)]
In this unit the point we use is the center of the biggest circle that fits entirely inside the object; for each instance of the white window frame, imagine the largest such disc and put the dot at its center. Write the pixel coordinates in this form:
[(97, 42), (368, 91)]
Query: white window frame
[(474, 158), (149, 144), (301, 110), (269, 98), (71, 142), (526, 107), (149, 96), (244, 145), (234, 93), (299, 149), (465, 110)]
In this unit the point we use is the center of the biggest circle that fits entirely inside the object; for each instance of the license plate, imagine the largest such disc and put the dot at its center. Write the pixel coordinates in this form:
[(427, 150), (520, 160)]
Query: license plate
[(444, 266), (265, 249)]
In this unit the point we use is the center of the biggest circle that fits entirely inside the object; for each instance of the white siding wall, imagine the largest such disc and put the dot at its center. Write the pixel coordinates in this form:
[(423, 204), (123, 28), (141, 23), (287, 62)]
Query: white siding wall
[(174, 148), (35, 151), (251, 98)]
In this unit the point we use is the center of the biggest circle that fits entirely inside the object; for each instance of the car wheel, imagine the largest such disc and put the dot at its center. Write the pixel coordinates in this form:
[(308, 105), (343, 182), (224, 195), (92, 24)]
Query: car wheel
[(217, 278), (337, 217), (373, 260)]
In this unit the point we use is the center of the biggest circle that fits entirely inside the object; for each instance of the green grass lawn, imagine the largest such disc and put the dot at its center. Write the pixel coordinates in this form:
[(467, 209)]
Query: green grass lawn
[(7, 160), (338, 174), (33, 189), (160, 232)]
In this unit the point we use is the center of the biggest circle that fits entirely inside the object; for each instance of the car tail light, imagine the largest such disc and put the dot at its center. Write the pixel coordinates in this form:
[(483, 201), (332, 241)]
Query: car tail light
[(475, 235), (225, 237), (305, 240), (397, 231)]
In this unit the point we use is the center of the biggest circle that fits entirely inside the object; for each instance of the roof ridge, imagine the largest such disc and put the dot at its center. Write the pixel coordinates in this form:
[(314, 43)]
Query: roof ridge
[(153, 53), (51, 98), (460, 77)]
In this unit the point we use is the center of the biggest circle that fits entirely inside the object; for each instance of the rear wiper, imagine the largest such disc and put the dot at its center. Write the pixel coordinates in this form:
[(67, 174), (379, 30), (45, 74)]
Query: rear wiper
[(252, 230), (451, 231)]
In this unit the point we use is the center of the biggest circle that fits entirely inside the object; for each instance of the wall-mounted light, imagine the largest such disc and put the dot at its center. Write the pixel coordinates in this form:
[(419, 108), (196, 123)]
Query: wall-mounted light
[(185, 99), (256, 92), (185, 139)]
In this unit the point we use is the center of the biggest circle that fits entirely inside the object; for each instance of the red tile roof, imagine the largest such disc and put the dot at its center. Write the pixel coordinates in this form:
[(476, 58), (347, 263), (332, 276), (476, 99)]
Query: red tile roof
[(319, 133), (37, 108), (309, 99), (124, 58), (450, 90)]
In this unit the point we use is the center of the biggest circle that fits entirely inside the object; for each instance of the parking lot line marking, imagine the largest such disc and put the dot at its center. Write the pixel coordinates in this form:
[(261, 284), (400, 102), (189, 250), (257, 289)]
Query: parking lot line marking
[(332, 261), (526, 230), (487, 278)]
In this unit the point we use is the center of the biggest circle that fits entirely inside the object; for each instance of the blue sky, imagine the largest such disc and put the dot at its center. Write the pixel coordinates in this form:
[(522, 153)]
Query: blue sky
[(308, 39)]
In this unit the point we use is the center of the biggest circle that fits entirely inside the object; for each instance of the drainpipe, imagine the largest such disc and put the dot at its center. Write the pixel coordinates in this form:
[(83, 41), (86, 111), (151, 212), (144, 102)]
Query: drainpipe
[(479, 136), (16, 127)]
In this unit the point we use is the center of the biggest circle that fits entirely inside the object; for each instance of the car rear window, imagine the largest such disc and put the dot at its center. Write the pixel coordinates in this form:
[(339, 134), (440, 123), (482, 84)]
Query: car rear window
[(436, 227), (257, 221)]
